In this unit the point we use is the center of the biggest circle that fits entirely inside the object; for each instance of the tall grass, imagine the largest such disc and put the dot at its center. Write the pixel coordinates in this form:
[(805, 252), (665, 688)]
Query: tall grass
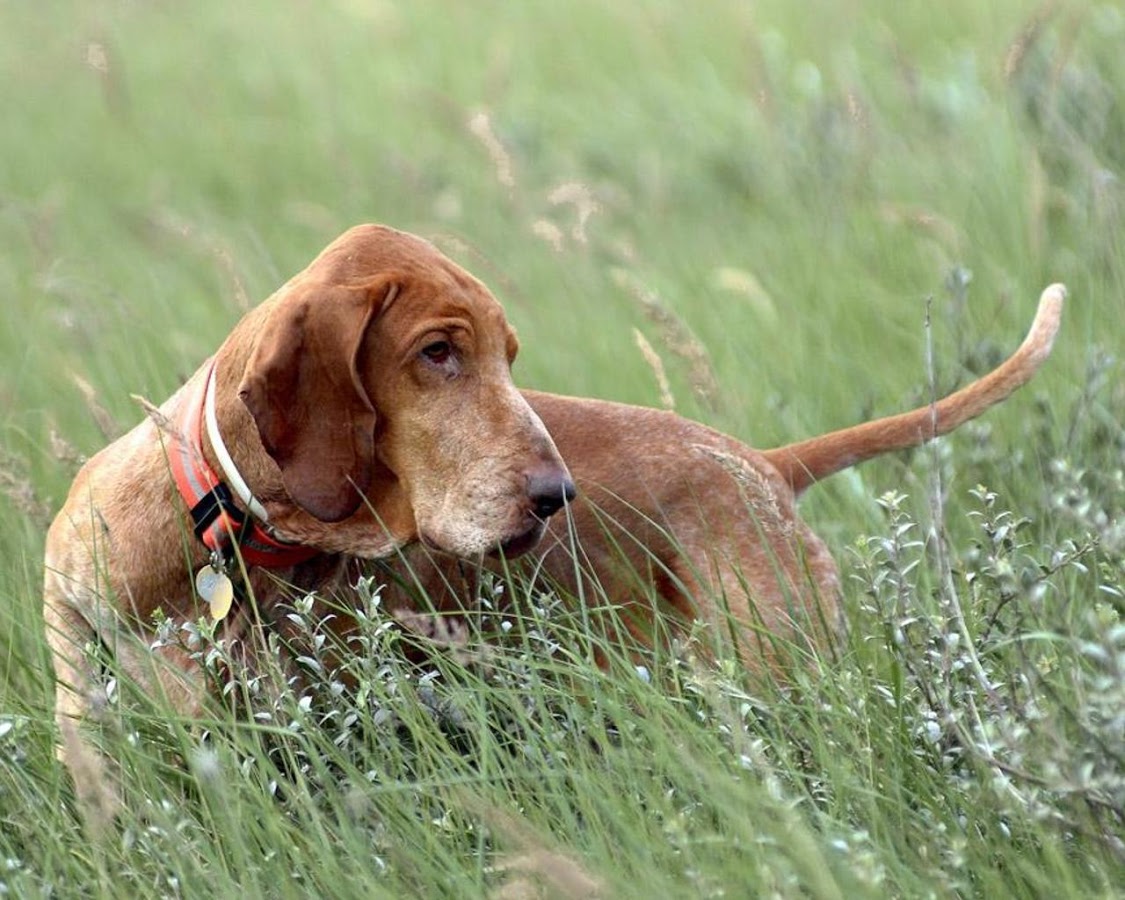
[(769, 196)]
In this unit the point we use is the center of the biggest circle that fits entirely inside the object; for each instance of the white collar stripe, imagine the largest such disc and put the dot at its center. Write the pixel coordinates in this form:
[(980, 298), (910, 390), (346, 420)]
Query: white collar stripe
[(233, 478)]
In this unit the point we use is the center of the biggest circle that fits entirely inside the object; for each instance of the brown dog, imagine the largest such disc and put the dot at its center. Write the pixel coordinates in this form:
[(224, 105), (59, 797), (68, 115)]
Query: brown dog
[(676, 522), (368, 403)]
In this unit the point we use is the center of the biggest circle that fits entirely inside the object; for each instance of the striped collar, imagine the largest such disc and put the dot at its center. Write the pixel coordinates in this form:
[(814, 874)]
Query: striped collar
[(217, 520)]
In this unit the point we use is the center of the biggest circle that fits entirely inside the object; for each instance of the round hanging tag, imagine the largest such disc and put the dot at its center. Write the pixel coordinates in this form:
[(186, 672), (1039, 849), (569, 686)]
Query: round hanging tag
[(216, 588)]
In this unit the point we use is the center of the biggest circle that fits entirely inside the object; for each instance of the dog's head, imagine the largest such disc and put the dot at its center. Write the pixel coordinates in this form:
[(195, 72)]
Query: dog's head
[(380, 383)]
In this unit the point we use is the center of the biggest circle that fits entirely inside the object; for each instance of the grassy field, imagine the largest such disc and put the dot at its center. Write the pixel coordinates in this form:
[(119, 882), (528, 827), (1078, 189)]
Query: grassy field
[(794, 187)]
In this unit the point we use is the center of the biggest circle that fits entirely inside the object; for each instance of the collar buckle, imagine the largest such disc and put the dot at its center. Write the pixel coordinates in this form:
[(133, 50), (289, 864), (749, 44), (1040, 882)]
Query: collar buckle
[(216, 520)]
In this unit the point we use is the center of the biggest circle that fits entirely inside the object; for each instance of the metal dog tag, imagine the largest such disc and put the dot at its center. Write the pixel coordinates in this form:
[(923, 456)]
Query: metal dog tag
[(216, 588)]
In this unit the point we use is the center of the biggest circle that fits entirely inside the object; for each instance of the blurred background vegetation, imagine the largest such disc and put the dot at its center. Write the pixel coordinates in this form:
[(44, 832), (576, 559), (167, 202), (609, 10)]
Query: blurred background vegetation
[(773, 194)]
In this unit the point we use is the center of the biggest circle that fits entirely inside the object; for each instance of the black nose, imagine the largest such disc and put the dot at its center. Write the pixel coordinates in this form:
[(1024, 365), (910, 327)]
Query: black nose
[(550, 492)]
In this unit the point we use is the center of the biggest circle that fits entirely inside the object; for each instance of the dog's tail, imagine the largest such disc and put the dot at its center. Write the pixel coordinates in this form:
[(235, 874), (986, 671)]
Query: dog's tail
[(806, 462)]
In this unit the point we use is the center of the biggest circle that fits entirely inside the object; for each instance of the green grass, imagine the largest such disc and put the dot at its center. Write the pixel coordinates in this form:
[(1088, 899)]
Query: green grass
[(792, 182)]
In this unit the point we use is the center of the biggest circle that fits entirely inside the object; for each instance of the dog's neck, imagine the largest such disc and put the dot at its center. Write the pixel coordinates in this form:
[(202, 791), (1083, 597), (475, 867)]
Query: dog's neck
[(224, 512), (226, 465), (234, 427)]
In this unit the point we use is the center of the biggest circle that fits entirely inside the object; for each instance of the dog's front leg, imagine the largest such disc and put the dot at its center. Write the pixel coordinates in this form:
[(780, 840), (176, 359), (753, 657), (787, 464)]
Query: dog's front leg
[(79, 699)]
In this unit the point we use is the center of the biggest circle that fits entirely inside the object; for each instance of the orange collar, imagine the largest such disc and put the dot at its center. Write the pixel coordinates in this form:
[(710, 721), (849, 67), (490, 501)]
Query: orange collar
[(216, 519)]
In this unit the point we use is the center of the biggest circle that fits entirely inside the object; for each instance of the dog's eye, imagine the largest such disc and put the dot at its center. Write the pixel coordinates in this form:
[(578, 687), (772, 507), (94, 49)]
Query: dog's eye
[(437, 351)]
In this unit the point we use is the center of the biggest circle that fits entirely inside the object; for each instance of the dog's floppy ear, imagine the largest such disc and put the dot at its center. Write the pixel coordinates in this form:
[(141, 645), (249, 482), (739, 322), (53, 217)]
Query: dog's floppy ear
[(303, 388)]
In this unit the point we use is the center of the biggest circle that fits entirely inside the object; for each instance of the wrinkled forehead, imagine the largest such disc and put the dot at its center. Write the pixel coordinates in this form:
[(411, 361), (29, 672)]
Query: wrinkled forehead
[(450, 298), (430, 284)]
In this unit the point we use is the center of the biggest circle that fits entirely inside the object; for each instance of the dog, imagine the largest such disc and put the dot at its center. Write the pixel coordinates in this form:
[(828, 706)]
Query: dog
[(676, 523), (365, 405)]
